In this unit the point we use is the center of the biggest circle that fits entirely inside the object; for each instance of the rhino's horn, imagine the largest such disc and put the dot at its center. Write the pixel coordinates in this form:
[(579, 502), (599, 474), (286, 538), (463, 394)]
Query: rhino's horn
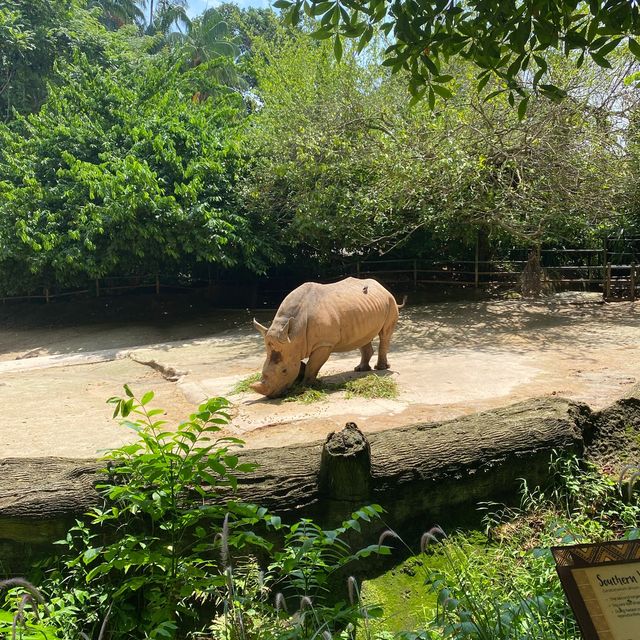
[(261, 329), (260, 387)]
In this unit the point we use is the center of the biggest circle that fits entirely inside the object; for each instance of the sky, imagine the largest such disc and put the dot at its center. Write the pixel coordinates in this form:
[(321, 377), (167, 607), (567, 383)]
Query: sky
[(196, 7)]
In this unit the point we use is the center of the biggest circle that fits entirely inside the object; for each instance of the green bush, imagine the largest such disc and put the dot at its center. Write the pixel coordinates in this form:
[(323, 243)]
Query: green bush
[(170, 551)]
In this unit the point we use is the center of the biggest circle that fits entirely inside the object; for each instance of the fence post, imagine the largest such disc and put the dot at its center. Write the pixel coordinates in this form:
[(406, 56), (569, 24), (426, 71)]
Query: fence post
[(476, 276), (415, 274), (157, 284), (633, 282), (607, 282), (97, 288), (358, 268), (46, 295)]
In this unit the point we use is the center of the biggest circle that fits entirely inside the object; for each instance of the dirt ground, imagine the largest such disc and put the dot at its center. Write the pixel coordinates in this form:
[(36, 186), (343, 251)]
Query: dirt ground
[(449, 359)]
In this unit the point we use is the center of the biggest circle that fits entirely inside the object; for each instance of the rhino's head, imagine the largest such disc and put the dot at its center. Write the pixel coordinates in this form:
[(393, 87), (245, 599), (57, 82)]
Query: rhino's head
[(282, 364)]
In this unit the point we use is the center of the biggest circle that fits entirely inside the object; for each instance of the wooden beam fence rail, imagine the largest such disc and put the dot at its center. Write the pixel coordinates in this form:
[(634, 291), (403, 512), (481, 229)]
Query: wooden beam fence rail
[(465, 273), (107, 285), (484, 273)]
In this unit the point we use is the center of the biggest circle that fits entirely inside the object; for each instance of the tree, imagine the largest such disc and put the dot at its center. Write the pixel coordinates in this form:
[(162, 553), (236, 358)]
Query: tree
[(346, 166), (165, 15), (121, 172), (33, 33), (502, 38), (207, 38), (116, 13), (247, 24), (37, 36)]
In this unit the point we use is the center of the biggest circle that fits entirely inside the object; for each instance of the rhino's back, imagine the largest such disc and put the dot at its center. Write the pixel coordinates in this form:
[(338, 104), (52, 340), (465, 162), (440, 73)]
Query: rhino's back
[(344, 315)]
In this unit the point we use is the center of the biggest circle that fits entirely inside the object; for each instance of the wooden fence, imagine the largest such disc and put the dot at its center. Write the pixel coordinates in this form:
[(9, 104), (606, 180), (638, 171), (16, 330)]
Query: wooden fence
[(608, 270), (108, 286), (573, 269)]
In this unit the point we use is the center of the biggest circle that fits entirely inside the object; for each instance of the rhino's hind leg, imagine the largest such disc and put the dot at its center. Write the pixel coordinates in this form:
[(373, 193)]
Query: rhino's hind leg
[(383, 349), (365, 355), (316, 360)]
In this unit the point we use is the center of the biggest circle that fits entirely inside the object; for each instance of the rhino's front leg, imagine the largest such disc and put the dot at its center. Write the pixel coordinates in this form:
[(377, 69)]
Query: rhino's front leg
[(365, 355), (315, 361)]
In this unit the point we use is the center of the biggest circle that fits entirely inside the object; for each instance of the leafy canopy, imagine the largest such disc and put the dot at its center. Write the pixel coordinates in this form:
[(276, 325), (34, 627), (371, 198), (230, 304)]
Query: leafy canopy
[(123, 171), (345, 166), (502, 37)]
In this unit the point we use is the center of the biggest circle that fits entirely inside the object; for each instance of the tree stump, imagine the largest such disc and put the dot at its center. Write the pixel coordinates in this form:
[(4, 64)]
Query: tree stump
[(345, 466)]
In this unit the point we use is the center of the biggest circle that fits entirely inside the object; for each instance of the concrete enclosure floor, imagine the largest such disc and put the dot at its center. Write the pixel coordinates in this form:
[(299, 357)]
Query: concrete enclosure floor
[(449, 359)]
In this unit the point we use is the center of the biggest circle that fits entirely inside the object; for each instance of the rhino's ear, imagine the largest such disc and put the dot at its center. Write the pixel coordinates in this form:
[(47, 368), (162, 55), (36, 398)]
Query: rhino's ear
[(283, 336), (261, 329)]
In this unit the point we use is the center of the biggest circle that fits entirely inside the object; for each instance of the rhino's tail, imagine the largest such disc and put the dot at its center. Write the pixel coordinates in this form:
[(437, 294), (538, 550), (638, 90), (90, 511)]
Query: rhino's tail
[(404, 301)]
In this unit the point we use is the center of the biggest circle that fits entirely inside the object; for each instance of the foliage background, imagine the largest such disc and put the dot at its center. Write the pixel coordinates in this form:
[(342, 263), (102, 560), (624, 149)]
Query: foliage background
[(136, 142)]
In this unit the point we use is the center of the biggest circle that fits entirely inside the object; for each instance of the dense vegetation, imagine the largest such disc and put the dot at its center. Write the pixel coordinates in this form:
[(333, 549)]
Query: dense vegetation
[(134, 140), (138, 142)]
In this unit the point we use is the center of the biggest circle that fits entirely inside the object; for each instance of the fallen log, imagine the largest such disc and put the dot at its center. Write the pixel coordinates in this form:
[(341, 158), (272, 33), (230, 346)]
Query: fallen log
[(421, 472), (417, 473)]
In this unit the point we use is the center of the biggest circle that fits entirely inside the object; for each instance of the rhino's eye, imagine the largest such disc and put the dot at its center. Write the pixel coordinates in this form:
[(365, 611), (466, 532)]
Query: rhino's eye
[(284, 371)]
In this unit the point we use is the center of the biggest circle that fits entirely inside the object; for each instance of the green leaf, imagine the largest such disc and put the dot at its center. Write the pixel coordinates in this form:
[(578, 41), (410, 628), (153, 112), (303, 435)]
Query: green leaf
[(522, 108), (90, 554), (634, 47), (609, 47), (324, 33), (493, 94), (541, 62), (482, 83), (442, 79), (337, 48), (600, 61), (431, 65), (147, 397), (320, 8), (365, 38), (231, 461), (553, 93), (442, 91)]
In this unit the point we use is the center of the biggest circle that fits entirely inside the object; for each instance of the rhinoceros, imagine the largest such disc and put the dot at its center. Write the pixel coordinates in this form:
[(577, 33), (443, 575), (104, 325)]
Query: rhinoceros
[(315, 320)]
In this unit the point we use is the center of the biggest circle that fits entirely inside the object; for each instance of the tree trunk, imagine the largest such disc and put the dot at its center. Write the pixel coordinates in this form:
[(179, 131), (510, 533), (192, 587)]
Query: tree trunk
[(532, 280), (423, 471)]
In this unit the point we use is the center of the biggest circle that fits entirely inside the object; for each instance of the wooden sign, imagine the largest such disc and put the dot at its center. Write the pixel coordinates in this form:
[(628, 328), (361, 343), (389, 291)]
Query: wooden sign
[(602, 584)]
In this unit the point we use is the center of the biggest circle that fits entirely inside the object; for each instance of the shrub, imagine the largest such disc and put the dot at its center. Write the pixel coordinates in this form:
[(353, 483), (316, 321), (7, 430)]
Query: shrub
[(169, 549)]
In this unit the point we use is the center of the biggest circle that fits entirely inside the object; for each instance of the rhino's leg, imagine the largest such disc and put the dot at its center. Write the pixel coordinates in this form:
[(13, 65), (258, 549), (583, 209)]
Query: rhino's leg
[(385, 341), (315, 361), (365, 355)]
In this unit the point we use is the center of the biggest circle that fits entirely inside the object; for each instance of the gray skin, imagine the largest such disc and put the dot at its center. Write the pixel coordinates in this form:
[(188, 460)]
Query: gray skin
[(316, 320)]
